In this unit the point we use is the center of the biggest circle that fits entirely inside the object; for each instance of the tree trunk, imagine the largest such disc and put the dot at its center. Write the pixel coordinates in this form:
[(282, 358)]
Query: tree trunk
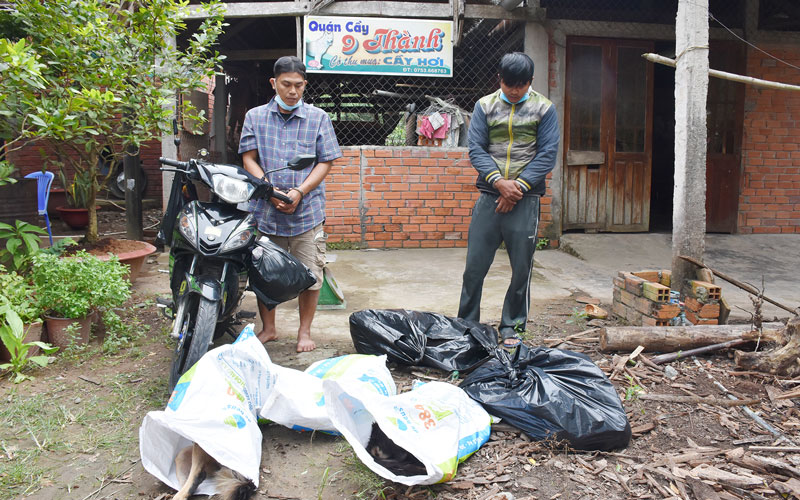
[(784, 361), (91, 229), (674, 338)]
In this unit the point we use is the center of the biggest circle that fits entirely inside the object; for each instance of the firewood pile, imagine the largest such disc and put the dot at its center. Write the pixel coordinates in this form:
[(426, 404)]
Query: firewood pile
[(702, 429)]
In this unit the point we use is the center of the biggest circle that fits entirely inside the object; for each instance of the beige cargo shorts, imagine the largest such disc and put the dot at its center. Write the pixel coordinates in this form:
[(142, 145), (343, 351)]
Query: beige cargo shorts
[(309, 248)]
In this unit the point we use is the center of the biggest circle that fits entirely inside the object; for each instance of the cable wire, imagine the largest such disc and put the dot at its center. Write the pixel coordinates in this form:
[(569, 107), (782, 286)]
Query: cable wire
[(711, 16)]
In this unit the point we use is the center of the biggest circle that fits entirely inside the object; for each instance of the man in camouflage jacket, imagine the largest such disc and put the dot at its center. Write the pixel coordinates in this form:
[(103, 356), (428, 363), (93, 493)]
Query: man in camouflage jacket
[(513, 142)]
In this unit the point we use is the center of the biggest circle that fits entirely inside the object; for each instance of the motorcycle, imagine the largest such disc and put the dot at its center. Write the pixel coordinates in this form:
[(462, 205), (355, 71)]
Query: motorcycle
[(210, 243)]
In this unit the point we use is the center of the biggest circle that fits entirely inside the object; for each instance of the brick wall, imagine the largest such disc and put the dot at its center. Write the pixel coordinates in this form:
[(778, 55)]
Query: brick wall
[(404, 197), (770, 196), (31, 158), (379, 197)]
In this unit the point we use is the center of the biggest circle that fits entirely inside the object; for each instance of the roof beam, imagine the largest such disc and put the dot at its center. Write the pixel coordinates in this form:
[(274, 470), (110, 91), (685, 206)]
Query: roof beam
[(367, 9)]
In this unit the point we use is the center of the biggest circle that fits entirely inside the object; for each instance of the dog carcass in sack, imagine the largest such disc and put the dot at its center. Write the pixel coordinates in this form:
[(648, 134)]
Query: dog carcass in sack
[(552, 394), (215, 404), (275, 275), (422, 339), (299, 402), (418, 437)]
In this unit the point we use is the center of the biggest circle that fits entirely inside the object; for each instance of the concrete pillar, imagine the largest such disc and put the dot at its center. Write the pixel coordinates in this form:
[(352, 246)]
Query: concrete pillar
[(298, 27), (220, 117), (168, 150), (536, 46), (691, 91)]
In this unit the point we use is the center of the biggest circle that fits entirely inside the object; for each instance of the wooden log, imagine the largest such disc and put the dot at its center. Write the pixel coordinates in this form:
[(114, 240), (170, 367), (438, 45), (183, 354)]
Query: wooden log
[(674, 338), (782, 361)]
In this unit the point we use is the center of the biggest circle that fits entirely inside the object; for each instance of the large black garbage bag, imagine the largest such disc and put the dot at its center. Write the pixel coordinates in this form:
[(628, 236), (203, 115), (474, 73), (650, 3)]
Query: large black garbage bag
[(552, 393), (275, 275), (422, 338)]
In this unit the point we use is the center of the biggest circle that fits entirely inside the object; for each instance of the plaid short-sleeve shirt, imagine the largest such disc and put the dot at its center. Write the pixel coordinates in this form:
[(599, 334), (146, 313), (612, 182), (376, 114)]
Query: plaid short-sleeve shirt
[(307, 130)]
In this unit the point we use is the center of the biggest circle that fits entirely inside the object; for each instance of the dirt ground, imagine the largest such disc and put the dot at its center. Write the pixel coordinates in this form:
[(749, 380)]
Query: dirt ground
[(72, 433)]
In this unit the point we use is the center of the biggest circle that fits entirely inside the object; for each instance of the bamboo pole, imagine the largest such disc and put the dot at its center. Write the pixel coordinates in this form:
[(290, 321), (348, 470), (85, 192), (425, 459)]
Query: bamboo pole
[(744, 286), (748, 80)]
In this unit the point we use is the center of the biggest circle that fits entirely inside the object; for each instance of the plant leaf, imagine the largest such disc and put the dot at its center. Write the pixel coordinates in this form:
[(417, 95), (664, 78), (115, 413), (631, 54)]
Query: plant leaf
[(40, 360)]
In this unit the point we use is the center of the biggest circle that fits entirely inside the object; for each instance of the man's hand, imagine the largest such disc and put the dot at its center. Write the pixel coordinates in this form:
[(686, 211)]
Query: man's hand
[(284, 207), (510, 194), (504, 206), (509, 190)]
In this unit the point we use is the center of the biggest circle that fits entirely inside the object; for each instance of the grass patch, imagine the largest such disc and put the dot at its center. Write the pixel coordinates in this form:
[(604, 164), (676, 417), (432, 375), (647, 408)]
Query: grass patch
[(69, 416), (368, 484)]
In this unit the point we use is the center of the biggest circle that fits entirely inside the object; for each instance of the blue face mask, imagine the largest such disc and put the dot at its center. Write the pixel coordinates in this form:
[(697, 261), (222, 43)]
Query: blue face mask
[(286, 106), (524, 98)]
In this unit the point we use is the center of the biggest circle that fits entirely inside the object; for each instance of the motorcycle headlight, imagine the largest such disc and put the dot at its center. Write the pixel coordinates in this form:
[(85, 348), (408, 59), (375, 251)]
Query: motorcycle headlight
[(237, 240), (187, 228), (232, 190)]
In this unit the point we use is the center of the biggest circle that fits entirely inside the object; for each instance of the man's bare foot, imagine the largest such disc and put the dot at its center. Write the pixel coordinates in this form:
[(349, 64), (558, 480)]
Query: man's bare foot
[(304, 342), (267, 335)]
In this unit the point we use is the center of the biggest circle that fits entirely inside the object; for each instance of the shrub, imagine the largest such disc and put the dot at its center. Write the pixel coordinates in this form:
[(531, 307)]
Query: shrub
[(71, 287), (18, 293)]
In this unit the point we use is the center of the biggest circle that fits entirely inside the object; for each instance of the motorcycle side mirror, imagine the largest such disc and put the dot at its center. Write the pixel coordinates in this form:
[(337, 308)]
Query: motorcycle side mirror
[(301, 161)]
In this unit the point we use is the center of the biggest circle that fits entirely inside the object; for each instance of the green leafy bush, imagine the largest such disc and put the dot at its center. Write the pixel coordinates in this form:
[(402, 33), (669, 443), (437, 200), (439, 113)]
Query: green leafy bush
[(22, 243), (71, 287), (19, 294), (12, 334), (6, 171)]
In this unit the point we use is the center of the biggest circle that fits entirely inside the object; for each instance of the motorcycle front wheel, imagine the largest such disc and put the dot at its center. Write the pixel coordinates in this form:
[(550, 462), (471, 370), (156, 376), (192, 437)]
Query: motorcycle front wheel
[(195, 338)]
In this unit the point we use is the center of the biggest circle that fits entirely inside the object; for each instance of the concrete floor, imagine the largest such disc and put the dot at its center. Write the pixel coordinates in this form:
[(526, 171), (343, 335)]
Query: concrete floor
[(430, 279)]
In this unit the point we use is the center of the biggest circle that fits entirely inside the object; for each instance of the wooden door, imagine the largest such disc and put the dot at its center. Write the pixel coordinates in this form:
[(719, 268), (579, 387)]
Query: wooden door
[(725, 117), (608, 135)]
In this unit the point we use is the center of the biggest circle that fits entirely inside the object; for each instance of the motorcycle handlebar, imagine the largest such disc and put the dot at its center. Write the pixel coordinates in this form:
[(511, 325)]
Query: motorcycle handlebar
[(174, 163)]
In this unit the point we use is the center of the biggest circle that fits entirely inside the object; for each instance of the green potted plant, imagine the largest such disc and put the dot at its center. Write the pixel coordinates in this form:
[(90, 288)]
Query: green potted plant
[(13, 338), (73, 289), (19, 295), (76, 212)]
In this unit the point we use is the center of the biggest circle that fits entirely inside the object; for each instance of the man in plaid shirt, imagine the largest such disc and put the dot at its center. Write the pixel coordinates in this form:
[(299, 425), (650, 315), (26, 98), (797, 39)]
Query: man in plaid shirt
[(272, 135)]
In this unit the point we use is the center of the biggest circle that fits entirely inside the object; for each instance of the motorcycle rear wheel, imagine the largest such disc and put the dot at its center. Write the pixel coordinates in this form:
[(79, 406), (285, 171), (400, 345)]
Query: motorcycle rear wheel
[(197, 337)]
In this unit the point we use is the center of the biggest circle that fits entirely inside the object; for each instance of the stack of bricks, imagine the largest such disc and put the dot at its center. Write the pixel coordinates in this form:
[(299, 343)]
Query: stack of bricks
[(703, 306), (642, 298)]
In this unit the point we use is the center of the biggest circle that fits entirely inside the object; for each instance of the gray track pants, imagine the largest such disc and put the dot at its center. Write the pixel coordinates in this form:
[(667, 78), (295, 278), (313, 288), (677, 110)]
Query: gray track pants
[(518, 229)]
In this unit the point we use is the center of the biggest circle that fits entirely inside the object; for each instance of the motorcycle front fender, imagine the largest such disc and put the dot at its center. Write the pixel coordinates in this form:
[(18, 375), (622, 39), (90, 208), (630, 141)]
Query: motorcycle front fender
[(209, 288)]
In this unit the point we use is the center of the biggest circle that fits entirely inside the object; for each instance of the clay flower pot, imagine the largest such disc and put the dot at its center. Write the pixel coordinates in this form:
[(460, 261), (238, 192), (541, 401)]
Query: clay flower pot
[(57, 329), (76, 218), (133, 257), (58, 198)]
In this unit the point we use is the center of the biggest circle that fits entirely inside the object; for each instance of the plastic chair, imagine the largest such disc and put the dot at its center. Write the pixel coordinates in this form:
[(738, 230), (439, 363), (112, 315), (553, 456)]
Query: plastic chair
[(43, 182)]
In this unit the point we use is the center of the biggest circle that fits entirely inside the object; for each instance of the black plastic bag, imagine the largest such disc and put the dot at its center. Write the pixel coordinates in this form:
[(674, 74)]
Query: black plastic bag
[(275, 275), (552, 393), (422, 339)]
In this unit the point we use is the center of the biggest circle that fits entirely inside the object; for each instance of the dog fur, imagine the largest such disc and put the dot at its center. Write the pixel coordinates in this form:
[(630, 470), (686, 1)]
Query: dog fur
[(193, 466)]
